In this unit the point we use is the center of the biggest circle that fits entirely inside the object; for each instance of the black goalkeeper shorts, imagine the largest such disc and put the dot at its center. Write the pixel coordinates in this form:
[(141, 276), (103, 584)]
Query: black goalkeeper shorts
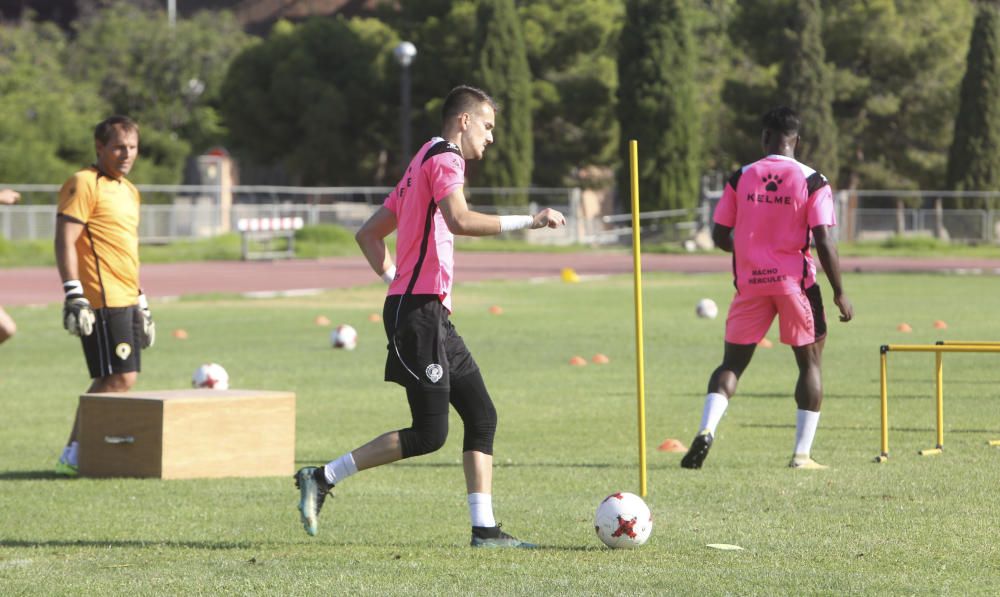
[(424, 349), (113, 347)]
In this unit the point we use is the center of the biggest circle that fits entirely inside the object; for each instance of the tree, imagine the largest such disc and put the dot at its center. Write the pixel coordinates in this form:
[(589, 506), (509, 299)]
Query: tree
[(502, 70), (751, 86), (974, 159), (311, 98), (656, 103), (169, 80), (716, 60), (46, 119), (898, 68), (806, 84), (444, 34), (571, 47)]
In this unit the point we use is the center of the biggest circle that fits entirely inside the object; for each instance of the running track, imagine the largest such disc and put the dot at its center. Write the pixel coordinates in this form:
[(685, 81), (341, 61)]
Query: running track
[(32, 286)]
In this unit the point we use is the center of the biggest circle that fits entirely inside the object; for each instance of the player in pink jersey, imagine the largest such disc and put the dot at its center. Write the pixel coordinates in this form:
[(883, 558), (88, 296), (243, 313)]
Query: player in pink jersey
[(425, 354), (769, 214)]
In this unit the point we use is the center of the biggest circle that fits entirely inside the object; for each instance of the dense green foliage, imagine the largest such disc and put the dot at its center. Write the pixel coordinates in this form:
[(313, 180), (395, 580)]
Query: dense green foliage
[(895, 65), (974, 160), (303, 99), (169, 80), (571, 45), (296, 103), (120, 59), (657, 103), (898, 67), (443, 32), (502, 70), (718, 60), (566, 439), (46, 118), (805, 82)]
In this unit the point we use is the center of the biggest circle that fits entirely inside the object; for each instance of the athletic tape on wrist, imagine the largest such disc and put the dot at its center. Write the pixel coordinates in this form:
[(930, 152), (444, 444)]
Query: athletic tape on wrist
[(389, 275), (73, 288), (508, 223)]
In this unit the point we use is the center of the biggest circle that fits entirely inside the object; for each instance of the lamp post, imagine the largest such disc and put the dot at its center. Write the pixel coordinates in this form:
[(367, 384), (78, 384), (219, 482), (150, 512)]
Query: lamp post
[(405, 52)]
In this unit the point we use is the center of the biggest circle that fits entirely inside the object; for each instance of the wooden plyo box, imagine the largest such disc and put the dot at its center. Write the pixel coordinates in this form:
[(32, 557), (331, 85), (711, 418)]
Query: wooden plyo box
[(186, 434)]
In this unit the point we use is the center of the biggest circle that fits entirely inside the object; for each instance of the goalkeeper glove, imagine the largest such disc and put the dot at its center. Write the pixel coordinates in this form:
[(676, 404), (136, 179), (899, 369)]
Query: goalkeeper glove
[(78, 316), (148, 336)]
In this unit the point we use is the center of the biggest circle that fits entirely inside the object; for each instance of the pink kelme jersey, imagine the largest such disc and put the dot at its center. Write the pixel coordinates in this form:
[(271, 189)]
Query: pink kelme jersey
[(772, 206), (425, 257)]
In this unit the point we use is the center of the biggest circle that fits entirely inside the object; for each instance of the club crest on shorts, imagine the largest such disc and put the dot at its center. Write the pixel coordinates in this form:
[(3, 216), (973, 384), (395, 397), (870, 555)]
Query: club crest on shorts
[(434, 372), (123, 350)]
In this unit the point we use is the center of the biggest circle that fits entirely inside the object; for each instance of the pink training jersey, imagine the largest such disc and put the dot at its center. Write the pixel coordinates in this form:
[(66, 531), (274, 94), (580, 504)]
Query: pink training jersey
[(425, 248), (772, 206)]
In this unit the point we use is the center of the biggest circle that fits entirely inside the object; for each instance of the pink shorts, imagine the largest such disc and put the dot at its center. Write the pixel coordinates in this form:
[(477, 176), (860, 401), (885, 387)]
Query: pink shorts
[(801, 318)]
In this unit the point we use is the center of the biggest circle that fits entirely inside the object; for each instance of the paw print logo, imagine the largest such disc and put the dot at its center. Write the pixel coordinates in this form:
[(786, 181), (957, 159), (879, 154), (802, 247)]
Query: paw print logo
[(771, 182)]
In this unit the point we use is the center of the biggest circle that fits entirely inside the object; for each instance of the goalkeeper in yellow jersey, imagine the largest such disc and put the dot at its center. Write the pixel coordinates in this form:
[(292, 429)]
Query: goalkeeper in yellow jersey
[(97, 252)]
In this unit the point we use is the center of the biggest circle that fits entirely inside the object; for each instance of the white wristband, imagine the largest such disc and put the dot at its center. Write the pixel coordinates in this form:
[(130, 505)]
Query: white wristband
[(73, 287), (143, 303), (389, 275), (508, 223)]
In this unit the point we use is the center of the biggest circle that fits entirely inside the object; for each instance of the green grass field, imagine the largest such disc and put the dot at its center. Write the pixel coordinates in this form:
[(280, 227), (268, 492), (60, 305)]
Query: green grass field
[(567, 437)]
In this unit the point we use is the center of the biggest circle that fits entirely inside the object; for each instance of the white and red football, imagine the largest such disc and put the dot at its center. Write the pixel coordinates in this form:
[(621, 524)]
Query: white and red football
[(210, 376), (623, 520)]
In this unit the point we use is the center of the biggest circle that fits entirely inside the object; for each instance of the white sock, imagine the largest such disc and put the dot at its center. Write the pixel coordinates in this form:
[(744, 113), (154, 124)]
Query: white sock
[(338, 470), (481, 510), (805, 430), (715, 407), (71, 454)]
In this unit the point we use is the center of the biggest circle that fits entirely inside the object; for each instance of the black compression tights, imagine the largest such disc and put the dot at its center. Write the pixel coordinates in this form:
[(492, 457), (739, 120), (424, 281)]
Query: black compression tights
[(429, 408)]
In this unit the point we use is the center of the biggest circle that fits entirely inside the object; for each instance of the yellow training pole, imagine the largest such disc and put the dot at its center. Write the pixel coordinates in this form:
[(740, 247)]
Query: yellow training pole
[(939, 406), (940, 400), (949, 347), (633, 151), (885, 411)]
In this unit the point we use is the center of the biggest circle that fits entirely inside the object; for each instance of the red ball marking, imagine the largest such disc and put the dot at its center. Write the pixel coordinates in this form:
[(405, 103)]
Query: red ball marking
[(625, 527)]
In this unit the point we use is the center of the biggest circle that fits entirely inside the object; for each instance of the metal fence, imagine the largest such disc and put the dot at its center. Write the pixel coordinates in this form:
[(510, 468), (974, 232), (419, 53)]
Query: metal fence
[(183, 212), (878, 215)]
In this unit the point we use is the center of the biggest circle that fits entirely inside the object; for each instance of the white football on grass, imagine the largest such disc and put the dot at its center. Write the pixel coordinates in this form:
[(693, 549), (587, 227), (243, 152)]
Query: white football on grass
[(210, 376), (344, 336), (707, 309), (623, 520)]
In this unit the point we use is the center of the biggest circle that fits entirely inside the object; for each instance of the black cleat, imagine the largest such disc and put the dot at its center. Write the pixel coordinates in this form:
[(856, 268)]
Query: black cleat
[(494, 537), (695, 456), (313, 489)]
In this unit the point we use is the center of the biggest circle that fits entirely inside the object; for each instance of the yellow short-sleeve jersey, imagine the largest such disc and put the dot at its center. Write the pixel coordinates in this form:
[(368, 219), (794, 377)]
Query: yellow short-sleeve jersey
[(108, 248)]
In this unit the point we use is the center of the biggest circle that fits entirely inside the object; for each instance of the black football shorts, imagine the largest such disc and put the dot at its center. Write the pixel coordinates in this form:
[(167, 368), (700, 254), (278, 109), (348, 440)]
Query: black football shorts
[(113, 347), (424, 349)]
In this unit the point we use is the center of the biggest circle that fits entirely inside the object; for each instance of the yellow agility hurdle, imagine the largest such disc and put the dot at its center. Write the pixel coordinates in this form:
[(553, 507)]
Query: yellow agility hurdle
[(938, 349)]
